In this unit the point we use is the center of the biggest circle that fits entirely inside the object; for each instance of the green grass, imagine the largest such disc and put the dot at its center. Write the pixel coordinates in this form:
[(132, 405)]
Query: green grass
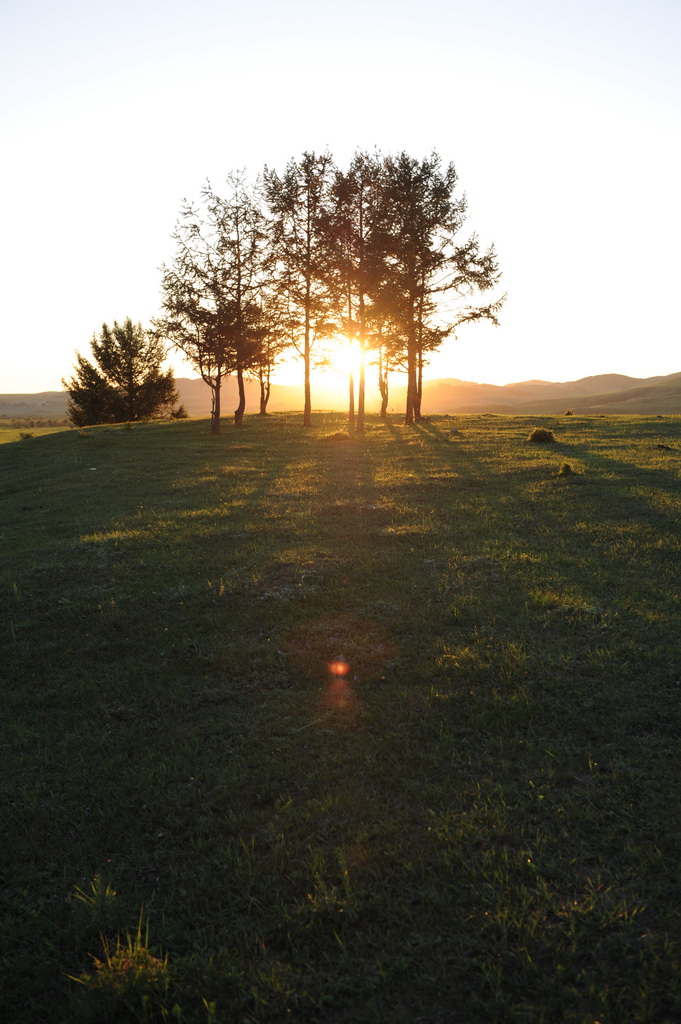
[(26, 432), (478, 821)]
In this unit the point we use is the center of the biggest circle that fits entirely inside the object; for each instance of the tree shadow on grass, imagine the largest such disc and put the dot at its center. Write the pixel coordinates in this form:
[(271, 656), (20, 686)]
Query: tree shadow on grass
[(487, 790)]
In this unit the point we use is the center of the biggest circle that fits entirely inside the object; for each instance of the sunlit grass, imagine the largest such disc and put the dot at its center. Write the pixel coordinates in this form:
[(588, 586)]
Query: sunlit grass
[(26, 433), (380, 730)]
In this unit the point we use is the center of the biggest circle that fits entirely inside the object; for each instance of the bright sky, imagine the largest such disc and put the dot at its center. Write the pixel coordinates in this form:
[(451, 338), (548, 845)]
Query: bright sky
[(561, 116)]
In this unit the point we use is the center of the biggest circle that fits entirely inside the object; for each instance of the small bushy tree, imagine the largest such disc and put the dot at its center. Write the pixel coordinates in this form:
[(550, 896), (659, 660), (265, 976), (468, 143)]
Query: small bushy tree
[(124, 382)]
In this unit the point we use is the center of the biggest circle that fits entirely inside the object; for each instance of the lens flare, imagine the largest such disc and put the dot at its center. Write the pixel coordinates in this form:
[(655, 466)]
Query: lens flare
[(339, 694)]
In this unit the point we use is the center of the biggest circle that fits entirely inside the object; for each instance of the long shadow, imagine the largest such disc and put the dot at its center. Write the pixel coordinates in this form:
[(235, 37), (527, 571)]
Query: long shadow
[(439, 782), (583, 531), (617, 502)]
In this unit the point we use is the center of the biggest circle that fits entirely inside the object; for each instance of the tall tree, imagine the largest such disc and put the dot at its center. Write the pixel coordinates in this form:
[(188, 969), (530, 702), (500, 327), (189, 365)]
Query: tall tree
[(298, 202), (212, 290), (125, 382), (357, 230), (431, 274)]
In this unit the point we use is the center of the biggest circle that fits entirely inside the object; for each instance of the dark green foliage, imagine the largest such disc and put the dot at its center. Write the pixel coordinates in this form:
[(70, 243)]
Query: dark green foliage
[(541, 435), (125, 383)]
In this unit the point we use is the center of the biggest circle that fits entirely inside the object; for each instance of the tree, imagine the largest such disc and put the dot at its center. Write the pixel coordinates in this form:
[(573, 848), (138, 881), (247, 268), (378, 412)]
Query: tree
[(273, 343), (430, 273), (125, 383), (299, 206), (372, 252), (356, 230), (213, 289), (389, 347)]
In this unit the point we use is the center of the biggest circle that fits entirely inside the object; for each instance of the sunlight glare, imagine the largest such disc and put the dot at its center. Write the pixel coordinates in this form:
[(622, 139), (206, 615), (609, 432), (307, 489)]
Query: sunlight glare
[(345, 357)]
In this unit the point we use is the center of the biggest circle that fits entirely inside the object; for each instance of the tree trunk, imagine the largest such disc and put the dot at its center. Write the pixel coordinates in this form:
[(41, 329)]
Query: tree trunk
[(239, 411), (362, 388), (411, 364), (362, 317), (265, 388), (419, 386), (307, 351), (411, 380), (351, 402), (215, 384), (307, 414), (383, 385), (384, 399)]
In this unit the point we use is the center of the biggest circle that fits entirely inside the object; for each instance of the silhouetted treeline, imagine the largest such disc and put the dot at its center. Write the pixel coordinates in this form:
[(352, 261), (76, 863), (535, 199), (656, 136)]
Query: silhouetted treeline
[(298, 258)]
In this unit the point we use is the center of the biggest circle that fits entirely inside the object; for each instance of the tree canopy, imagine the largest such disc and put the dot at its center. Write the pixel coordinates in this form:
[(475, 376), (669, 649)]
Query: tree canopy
[(299, 206), (216, 300), (430, 276)]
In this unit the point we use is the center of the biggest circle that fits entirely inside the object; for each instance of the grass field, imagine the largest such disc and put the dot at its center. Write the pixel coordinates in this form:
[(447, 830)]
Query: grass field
[(12, 432), (297, 728)]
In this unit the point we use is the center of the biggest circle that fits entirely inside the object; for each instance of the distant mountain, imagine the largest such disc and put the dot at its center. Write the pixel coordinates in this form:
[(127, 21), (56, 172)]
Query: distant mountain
[(604, 393), (48, 405), (195, 396)]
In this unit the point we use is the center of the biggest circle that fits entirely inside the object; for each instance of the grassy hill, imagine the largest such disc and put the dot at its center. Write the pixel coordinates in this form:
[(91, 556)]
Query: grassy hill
[(658, 397), (300, 727)]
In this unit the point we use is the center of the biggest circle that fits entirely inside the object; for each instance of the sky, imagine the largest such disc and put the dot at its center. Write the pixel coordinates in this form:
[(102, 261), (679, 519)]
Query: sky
[(562, 118)]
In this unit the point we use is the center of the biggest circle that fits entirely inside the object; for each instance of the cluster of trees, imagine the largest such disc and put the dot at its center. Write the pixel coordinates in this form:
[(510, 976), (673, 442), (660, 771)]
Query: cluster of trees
[(292, 261), (370, 253), (125, 380)]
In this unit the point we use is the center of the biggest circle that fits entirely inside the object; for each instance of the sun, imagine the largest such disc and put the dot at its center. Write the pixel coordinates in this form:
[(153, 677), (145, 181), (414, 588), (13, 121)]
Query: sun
[(345, 357)]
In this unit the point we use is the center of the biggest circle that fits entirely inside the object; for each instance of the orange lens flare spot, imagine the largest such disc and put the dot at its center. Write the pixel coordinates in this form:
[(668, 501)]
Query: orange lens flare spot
[(338, 668)]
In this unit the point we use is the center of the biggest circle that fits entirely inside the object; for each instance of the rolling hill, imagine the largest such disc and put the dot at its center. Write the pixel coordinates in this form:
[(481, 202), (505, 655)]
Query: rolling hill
[(603, 393)]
